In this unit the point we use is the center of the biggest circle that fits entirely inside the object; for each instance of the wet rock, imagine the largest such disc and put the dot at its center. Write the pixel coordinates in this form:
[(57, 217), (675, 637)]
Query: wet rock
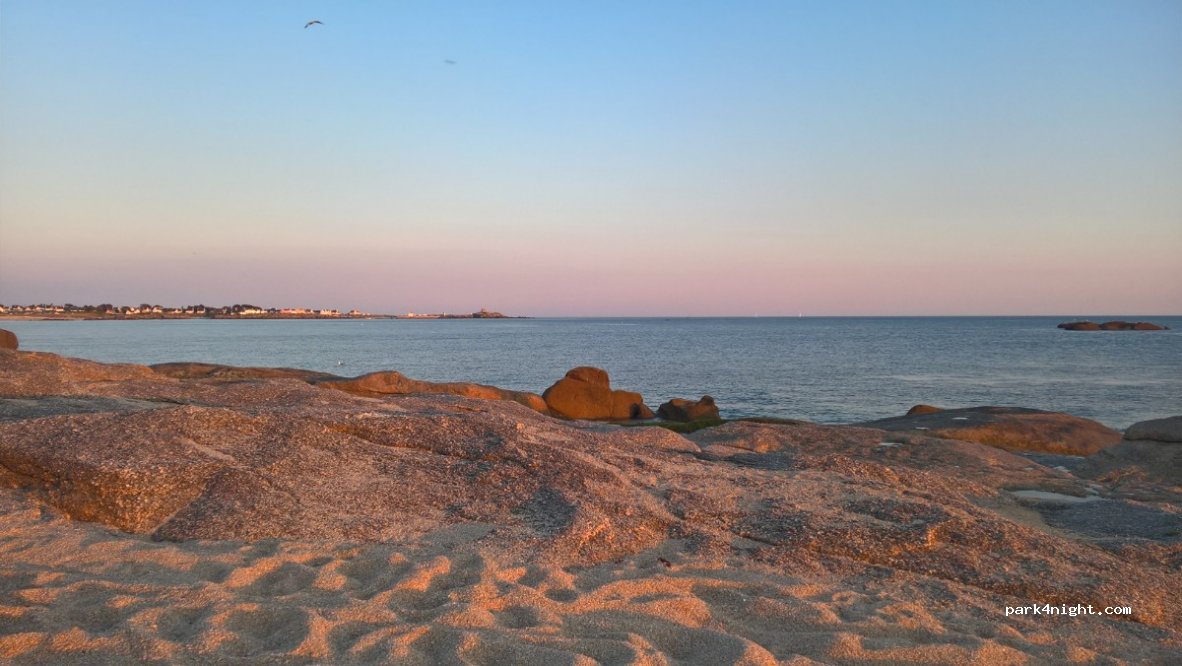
[(679, 409), (18, 409)]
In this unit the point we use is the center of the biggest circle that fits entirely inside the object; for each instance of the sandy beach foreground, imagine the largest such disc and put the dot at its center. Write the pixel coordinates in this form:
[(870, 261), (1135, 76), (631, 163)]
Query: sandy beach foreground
[(265, 519)]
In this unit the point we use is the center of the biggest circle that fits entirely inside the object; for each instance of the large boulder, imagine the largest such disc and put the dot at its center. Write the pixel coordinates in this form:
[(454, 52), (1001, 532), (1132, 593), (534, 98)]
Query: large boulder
[(923, 409), (1013, 428), (8, 340), (585, 393), (1159, 430), (679, 409)]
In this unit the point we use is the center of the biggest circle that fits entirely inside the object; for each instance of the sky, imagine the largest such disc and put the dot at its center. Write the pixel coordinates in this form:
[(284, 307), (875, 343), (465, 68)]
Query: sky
[(616, 158)]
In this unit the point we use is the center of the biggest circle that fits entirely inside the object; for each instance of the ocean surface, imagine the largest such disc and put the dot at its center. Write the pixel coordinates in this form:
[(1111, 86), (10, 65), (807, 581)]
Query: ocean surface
[(829, 370)]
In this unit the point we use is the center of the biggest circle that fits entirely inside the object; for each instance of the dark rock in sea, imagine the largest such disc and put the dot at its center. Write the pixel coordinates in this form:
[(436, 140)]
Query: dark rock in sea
[(679, 409), (1079, 326), (923, 409), (1012, 428), (8, 340), (586, 393), (1130, 326), (1111, 326)]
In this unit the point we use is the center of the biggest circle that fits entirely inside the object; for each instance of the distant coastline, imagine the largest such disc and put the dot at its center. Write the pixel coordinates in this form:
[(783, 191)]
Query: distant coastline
[(145, 311)]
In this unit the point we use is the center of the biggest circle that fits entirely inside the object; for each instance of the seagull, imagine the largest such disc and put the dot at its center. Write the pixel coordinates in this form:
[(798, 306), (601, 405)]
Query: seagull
[(311, 23)]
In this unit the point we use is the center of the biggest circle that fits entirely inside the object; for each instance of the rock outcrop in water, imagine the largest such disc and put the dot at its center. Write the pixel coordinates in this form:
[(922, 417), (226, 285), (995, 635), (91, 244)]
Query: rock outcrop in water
[(1013, 428), (1111, 326), (496, 533), (586, 393), (680, 409)]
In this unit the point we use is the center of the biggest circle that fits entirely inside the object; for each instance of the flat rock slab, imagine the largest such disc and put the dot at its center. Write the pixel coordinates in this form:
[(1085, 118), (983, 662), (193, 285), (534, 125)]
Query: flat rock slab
[(395, 383), (231, 372), (1133, 460), (1013, 428), (1100, 518), (40, 374), (17, 409)]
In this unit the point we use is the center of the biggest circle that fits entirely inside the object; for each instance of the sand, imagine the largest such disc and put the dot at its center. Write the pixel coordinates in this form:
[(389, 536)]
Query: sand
[(74, 592)]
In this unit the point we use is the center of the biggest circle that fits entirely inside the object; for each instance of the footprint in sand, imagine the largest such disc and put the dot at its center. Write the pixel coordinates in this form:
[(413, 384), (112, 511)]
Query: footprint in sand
[(518, 617), (268, 629), (430, 584), (288, 578), (562, 596), (372, 573), (87, 607), (343, 637), (211, 571), (181, 625)]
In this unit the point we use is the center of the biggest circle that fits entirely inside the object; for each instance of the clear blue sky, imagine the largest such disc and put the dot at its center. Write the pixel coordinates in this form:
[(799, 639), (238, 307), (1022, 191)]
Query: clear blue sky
[(595, 157)]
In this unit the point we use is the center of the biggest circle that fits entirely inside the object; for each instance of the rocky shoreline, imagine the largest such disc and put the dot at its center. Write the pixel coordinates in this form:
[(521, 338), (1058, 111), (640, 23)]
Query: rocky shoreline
[(196, 513)]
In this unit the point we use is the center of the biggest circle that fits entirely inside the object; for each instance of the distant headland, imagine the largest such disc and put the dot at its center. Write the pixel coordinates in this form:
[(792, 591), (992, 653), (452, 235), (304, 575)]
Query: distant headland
[(69, 311)]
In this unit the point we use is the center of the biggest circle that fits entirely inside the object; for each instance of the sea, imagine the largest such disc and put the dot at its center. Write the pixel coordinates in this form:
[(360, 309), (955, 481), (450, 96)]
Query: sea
[(823, 369)]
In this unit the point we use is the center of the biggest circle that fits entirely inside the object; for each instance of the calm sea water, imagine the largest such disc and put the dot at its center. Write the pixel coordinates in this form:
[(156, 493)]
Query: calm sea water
[(830, 370)]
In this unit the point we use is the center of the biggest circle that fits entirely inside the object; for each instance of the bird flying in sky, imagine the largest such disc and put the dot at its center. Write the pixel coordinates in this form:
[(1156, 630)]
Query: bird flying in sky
[(311, 23)]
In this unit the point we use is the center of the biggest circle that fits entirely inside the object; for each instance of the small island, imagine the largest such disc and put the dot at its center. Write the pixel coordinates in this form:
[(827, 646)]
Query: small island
[(482, 314), (1111, 326)]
